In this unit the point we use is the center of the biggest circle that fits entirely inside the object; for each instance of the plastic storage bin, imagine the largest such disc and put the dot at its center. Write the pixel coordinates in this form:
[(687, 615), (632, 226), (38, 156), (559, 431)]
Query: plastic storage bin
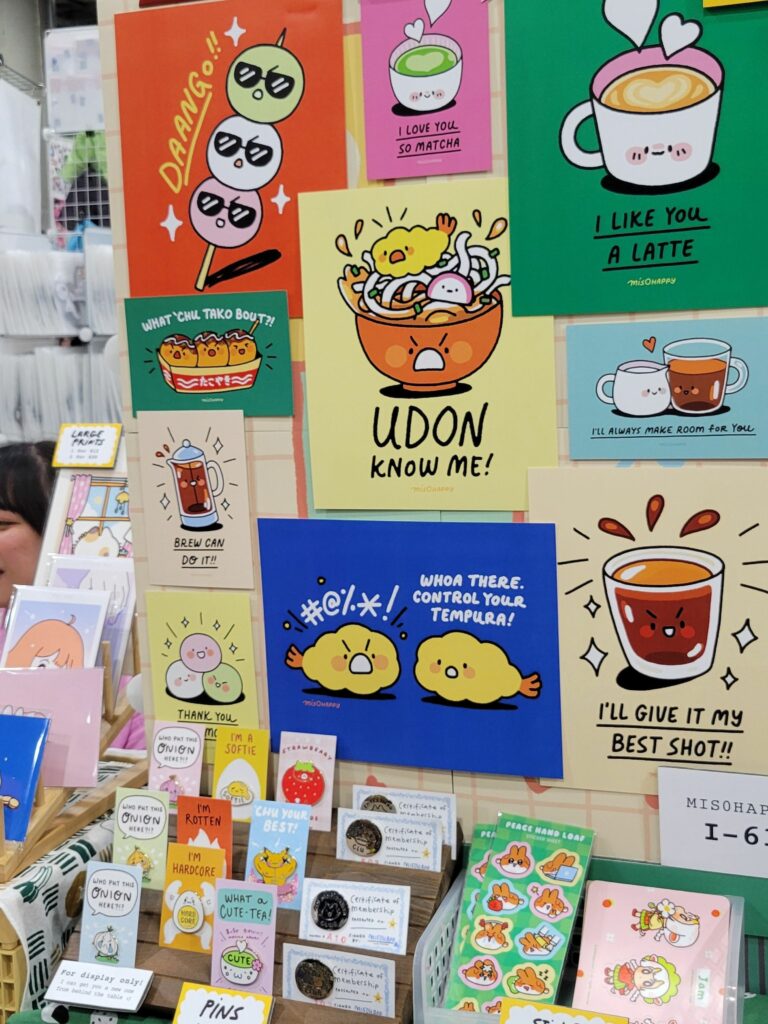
[(432, 961)]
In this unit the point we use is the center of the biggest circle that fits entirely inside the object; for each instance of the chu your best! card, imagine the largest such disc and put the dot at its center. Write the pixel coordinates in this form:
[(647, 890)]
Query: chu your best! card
[(383, 633), (277, 849), (407, 302), (427, 87)]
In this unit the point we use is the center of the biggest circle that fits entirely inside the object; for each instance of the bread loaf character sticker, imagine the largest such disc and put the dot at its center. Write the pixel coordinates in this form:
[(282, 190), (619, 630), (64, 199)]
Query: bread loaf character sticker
[(354, 659), (460, 669)]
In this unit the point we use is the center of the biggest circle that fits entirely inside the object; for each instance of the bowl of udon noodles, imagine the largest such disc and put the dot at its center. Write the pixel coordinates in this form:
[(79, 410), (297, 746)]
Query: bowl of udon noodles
[(434, 322)]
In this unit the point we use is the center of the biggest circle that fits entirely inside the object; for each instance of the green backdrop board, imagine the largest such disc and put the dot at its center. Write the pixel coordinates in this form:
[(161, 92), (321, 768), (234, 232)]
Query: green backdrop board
[(637, 155)]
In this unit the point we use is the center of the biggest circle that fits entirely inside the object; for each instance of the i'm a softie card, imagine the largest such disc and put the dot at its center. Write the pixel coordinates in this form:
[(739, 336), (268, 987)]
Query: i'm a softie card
[(240, 768), (277, 849), (427, 87), (656, 954), (523, 915), (244, 925)]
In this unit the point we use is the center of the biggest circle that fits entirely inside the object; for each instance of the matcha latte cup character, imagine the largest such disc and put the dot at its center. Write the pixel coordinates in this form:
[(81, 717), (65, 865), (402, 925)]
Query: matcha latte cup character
[(425, 73)]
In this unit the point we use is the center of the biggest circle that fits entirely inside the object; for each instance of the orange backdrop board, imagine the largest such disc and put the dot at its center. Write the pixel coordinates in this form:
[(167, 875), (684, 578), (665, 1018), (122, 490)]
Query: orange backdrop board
[(227, 113)]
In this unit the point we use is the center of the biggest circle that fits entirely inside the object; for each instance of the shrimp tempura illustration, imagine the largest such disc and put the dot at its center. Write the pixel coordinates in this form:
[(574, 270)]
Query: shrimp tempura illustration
[(411, 250), (353, 658)]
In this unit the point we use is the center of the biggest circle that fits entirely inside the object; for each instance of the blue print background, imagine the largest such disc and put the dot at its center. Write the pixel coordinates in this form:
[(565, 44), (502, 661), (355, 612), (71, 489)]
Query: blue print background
[(319, 576)]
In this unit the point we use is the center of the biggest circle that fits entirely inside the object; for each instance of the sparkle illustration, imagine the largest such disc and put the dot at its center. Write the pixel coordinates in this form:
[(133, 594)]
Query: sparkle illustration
[(171, 223), (281, 200), (594, 656), (235, 32), (729, 679), (745, 636)]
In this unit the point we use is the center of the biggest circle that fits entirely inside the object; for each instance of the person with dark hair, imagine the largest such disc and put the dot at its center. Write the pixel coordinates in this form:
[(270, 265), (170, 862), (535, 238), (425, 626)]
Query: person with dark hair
[(26, 485)]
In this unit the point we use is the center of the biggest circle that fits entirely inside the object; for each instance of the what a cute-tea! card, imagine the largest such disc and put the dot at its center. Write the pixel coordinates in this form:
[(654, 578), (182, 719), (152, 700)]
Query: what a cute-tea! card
[(245, 919)]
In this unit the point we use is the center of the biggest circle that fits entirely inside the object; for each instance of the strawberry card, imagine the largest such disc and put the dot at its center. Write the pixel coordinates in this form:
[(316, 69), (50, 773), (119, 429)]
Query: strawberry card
[(654, 954), (522, 915), (305, 774), (203, 821)]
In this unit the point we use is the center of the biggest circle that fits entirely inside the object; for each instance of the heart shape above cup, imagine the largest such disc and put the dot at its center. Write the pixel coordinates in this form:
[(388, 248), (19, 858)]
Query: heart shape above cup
[(650, 344), (436, 9), (633, 18), (677, 34), (415, 30)]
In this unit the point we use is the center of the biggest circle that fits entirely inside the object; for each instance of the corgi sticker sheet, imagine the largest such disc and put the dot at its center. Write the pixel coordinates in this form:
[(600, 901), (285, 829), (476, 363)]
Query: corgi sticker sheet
[(524, 912), (477, 863), (655, 953)]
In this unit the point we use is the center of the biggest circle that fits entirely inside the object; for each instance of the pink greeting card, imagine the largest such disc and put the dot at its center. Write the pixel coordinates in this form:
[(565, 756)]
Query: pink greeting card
[(427, 87), (305, 774), (655, 955), (177, 759), (72, 699)]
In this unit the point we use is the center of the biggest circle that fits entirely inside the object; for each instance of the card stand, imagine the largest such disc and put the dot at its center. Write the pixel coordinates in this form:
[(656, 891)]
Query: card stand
[(172, 967)]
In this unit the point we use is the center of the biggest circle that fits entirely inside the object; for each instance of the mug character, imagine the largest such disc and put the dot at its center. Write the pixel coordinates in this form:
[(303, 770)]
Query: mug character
[(481, 972), (200, 652), (652, 979), (265, 83), (242, 347), (138, 857), (550, 903), (211, 349), (243, 154), (182, 682), (178, 350), (50, 643), (668, 921), (490, 934), (526, 981), (224, 684), (515, 860), (458, 667), (275, 867), (352, 658)]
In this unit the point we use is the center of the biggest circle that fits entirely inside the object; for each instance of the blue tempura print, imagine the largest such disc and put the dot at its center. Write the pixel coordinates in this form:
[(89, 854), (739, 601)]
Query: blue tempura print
[(669, 389), (414, 645)]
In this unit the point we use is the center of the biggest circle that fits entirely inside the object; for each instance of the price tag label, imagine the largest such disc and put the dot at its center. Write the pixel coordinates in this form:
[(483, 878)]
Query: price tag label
[(714, 821), (87, 445)]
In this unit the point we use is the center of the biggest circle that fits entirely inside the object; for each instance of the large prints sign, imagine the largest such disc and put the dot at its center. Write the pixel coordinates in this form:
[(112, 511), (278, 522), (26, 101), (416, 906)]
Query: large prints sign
[(225, 117), (411, 352), (663, 583), (435, 648), (636, 167)]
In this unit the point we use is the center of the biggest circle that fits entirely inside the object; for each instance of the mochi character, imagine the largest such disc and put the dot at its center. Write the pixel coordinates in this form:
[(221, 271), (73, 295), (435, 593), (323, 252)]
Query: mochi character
[(200, 652), (265, 83), (224, 684), (243, 154), (458, 667), (183, 682), (353, 658)]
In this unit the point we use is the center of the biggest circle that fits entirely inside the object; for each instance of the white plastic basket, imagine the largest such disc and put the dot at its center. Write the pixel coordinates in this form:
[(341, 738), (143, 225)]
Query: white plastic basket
[(432, 961)]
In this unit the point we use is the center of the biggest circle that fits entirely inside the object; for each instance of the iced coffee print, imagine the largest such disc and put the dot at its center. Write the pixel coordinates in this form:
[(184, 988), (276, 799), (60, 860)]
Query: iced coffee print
[(656, 108)]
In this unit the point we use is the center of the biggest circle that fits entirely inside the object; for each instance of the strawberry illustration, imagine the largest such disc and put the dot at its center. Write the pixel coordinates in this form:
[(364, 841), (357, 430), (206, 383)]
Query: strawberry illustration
[(303, 784)]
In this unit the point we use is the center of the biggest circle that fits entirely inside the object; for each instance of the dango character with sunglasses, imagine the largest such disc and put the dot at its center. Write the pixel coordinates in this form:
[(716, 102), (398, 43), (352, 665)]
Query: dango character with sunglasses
[(244, 155), (265, 83), (224, 217)]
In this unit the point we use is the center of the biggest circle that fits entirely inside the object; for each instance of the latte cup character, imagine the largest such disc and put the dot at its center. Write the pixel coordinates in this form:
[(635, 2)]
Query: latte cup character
[(223, 217), (656, 117)]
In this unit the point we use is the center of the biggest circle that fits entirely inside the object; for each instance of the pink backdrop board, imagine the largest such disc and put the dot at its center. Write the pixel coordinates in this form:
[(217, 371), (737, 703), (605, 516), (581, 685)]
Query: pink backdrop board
[(427, 87), (72, 699)]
